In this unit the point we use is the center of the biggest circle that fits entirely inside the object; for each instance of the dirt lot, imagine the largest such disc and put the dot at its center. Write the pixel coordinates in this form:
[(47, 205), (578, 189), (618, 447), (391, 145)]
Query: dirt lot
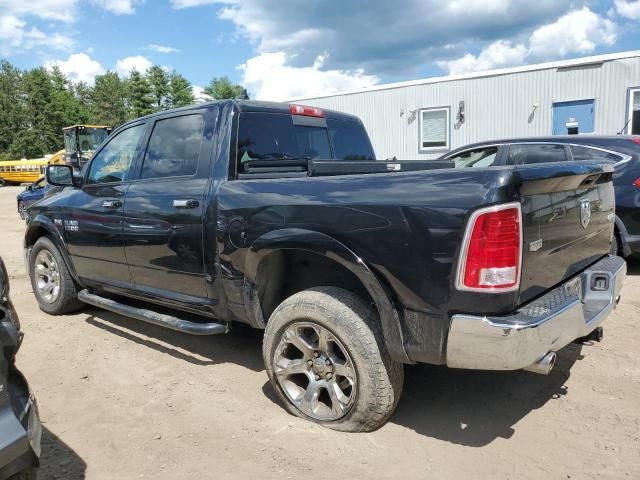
[(122, 399)]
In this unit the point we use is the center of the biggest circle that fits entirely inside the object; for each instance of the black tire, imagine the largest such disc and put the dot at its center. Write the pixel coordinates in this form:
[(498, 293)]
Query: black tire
[(66, 300), (29, 474), (2, 182), (356, 326)]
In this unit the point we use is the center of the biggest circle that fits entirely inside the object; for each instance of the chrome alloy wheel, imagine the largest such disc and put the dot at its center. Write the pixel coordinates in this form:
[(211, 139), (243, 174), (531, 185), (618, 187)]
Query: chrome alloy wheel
[(315, 371), (47, 275), (22, 210)]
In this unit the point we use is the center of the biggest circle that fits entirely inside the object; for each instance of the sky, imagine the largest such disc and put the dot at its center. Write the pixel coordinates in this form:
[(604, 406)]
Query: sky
[(280, 49)]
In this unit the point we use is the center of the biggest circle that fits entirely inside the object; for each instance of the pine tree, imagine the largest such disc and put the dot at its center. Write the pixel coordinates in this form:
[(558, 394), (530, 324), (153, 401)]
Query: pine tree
[(108, 100), (139, 95), (159, 83), (11, 109), (180, 92), (222, 88)]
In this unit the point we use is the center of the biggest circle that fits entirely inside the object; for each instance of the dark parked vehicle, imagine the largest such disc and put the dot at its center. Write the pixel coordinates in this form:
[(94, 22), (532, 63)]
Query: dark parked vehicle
[(20, 428), (619, 150), (34, 192), (277, 216)]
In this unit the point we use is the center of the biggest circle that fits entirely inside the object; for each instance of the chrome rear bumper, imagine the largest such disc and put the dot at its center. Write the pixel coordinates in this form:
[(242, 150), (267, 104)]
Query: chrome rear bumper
[(547, 324)]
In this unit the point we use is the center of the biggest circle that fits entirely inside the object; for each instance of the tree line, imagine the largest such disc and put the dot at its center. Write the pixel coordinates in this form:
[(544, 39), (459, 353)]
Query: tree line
[(36, 104)]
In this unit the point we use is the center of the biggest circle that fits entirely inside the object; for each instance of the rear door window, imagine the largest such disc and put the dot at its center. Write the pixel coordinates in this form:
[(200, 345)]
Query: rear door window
[(174, 147), (527, 154), (592, 154), (478, 158)]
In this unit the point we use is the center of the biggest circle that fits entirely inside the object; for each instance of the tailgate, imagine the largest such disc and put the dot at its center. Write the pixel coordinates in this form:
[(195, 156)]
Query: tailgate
[(568, 213)]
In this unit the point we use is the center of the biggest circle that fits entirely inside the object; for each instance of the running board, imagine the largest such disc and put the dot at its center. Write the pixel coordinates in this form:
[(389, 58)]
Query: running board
[(149, 316)]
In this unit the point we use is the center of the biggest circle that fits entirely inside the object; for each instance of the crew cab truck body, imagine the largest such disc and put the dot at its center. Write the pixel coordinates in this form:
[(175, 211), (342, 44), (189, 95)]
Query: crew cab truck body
[(225, 211)]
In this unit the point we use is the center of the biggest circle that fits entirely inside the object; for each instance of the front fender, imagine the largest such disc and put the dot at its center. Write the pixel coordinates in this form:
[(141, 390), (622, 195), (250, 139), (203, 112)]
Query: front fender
[(325, 245), (42, 225)]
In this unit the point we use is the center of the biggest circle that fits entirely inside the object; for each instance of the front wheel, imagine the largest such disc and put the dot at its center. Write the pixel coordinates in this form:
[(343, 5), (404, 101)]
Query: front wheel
[(325, 357), (52, 283), (22, 210)]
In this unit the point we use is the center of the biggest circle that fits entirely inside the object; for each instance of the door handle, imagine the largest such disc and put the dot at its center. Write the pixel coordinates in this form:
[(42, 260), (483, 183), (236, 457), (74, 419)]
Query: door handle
[(186, 203), (112, 204)]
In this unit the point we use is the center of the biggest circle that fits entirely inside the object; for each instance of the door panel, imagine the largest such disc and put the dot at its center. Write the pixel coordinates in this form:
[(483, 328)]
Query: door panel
[(93, 224), (94, 234), (572, 118), (164, 210)]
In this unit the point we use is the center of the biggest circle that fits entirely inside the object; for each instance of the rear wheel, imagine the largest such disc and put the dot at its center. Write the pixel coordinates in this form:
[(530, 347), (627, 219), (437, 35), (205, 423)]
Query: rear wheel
[(325, 357), (52, 283)]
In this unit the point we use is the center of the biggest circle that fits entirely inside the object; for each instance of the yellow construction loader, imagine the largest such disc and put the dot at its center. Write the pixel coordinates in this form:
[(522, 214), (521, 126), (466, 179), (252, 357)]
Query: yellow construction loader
[(80, 141)]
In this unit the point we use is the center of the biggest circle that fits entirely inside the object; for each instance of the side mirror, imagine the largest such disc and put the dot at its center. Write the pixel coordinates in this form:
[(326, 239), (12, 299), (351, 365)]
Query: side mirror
[(30, 188), (60, 175)]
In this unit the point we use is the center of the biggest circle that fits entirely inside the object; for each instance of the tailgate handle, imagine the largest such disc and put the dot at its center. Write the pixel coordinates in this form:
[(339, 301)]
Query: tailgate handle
[(186, 203)]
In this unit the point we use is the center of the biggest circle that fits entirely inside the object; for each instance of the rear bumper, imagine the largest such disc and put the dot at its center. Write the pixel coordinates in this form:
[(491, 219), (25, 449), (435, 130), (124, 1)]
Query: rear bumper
[(570, 311)]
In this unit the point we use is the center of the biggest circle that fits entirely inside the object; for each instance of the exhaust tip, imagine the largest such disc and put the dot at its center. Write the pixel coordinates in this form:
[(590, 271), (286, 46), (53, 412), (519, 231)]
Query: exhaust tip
[(544, 365)]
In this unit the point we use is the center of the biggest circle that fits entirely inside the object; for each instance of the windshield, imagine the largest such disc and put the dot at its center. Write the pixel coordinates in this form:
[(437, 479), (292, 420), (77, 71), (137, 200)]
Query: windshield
[(272, 136), (91, 138)]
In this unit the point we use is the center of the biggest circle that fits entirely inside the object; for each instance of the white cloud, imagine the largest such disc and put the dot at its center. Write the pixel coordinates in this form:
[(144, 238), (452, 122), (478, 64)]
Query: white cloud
[(191, 3), (79, 67), (63, 10), (269, 77), (118, 7), (138, 62), (500, 53), (629, 9), (579, 31), (199, 95), (15, 36), (161, 48)]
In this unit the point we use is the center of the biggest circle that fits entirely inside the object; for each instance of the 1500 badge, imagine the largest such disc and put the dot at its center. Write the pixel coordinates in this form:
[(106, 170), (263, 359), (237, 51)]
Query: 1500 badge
[(71, 225)]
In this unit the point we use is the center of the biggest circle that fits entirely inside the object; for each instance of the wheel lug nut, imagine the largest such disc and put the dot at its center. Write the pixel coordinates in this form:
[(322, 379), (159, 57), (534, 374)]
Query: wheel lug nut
[(329, 375), (316, 354), (328, 362), (309, 362), (317, 377)]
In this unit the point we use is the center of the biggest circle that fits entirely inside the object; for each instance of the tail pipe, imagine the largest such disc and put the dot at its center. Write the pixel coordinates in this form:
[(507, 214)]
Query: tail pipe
[(544, 365)]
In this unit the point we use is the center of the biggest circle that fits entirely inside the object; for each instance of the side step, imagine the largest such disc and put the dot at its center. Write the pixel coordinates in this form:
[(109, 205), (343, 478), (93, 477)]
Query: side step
[(149, 316)]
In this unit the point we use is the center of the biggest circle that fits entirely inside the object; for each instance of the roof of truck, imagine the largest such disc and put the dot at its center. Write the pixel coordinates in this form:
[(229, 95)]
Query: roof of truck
[(251, 106)]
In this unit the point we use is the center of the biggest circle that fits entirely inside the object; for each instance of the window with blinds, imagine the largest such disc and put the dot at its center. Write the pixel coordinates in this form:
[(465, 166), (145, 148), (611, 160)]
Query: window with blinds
[(434, 128)]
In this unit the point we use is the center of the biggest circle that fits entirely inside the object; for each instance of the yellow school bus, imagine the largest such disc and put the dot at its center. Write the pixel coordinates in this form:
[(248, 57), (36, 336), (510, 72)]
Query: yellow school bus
[(26, 171)]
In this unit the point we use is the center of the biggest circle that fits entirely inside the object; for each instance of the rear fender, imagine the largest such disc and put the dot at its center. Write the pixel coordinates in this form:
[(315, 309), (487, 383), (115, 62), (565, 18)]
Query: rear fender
[(322, 244)]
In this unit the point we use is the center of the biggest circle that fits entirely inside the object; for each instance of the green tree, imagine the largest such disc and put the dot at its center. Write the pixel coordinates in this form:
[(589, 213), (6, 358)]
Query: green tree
[(159, 82), (11, 109), (221, 88), (107, 100), (139, 95), (82, 95), (180, 92), (37, 133)]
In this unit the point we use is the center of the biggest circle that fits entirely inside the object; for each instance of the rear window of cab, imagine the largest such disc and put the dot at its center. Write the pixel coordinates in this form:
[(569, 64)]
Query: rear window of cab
[(274, 136)]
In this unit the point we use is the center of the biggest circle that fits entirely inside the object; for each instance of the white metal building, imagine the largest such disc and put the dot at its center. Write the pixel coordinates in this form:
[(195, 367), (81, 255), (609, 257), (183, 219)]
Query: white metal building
[(422, 119)]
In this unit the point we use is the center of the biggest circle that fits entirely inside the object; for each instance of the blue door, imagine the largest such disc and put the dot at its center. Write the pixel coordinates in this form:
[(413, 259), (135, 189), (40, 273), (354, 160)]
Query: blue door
[(572, 118)]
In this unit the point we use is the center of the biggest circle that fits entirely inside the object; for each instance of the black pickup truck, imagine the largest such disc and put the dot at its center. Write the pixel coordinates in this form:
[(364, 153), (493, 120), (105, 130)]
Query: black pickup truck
[(277, 215)]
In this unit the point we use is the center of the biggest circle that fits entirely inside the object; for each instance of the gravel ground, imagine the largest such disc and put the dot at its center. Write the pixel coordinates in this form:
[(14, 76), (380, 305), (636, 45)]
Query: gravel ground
[(122, 399)]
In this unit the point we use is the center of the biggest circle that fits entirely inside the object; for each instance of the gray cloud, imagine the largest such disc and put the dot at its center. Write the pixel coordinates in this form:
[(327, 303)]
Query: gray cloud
[(382, 37)]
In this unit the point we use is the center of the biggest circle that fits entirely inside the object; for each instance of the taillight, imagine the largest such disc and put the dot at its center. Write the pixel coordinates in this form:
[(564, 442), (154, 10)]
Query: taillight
[(306, 111), (637, 183), (491, 255), (635, 139)]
